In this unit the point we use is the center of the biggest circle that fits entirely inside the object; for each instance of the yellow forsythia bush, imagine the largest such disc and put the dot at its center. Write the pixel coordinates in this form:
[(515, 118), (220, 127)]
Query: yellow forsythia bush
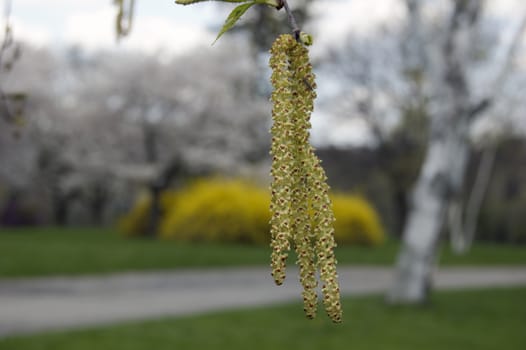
[(217, 210), (356, 221), (222, 210)]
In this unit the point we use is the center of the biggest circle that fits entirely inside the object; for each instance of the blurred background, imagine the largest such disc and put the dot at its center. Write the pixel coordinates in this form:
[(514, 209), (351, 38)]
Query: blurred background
[(129, 142), (95, 123)]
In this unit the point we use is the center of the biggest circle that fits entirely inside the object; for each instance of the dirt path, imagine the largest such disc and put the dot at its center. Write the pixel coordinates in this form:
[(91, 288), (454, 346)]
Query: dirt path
[(41, 304)]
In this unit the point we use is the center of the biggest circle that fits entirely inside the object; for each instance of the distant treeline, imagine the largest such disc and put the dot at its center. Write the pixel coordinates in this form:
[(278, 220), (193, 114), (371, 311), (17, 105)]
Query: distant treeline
[(385, 176)]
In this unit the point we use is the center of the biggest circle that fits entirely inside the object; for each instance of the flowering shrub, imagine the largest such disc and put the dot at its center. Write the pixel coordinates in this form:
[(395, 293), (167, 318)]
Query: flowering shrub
[(356, 221), (221, 210), (218, 210)]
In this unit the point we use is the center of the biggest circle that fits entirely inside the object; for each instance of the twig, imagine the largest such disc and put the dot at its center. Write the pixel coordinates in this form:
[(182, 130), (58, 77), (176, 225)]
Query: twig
[(6, 43), (292, 20), (8, 39), (295, 30)]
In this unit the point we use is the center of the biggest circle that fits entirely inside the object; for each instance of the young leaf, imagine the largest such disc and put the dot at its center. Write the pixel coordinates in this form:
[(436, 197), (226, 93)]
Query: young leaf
[(188, 2), (233, 17), (272, 3)]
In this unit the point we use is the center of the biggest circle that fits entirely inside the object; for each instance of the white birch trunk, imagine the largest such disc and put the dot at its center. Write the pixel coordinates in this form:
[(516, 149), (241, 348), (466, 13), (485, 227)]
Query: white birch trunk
[(444, 164)]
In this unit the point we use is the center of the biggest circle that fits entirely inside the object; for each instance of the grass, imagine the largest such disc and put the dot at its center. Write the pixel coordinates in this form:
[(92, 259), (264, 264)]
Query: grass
[(481, 320), (51, 251), (82, 251)]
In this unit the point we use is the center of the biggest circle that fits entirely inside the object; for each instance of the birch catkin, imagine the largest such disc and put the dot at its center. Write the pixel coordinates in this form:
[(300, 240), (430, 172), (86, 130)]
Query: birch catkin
[(300, 205)]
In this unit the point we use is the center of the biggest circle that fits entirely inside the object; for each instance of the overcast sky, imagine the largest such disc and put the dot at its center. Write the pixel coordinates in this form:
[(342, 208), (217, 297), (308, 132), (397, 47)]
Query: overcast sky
[(160, 24)]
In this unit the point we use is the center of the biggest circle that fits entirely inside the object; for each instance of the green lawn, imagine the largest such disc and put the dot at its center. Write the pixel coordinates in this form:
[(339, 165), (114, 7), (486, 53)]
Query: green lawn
[(478, 320), (37, 252)]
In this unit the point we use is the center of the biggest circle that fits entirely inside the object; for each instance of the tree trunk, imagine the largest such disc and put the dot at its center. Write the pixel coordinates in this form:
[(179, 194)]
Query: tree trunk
[(97, 204), (462, 227), (60, 208), (156, 188), (154, 216), (151, 155), (430, 199)]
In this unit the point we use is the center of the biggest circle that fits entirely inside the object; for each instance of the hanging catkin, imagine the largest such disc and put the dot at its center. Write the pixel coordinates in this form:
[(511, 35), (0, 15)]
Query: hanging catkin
[(300, 205)]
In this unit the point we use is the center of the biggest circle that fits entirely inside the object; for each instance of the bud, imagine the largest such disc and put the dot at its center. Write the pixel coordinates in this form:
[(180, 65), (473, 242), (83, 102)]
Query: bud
[(306, 39)]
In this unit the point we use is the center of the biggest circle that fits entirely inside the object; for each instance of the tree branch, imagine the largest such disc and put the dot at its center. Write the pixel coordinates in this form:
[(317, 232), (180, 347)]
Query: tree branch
[(416, 55), (6, 43), (510, 55), (8, 37), (504, 72), (480, 187), (292, 20), (480, 107)]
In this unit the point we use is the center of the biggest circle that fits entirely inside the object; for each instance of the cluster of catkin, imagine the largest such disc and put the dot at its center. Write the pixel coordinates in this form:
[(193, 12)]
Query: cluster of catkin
[(124, 19), (301, 210)]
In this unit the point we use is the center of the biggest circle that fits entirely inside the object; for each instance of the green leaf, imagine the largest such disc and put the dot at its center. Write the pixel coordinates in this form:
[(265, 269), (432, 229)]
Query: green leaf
[(233, 17), (189, 2), (272, 3)]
